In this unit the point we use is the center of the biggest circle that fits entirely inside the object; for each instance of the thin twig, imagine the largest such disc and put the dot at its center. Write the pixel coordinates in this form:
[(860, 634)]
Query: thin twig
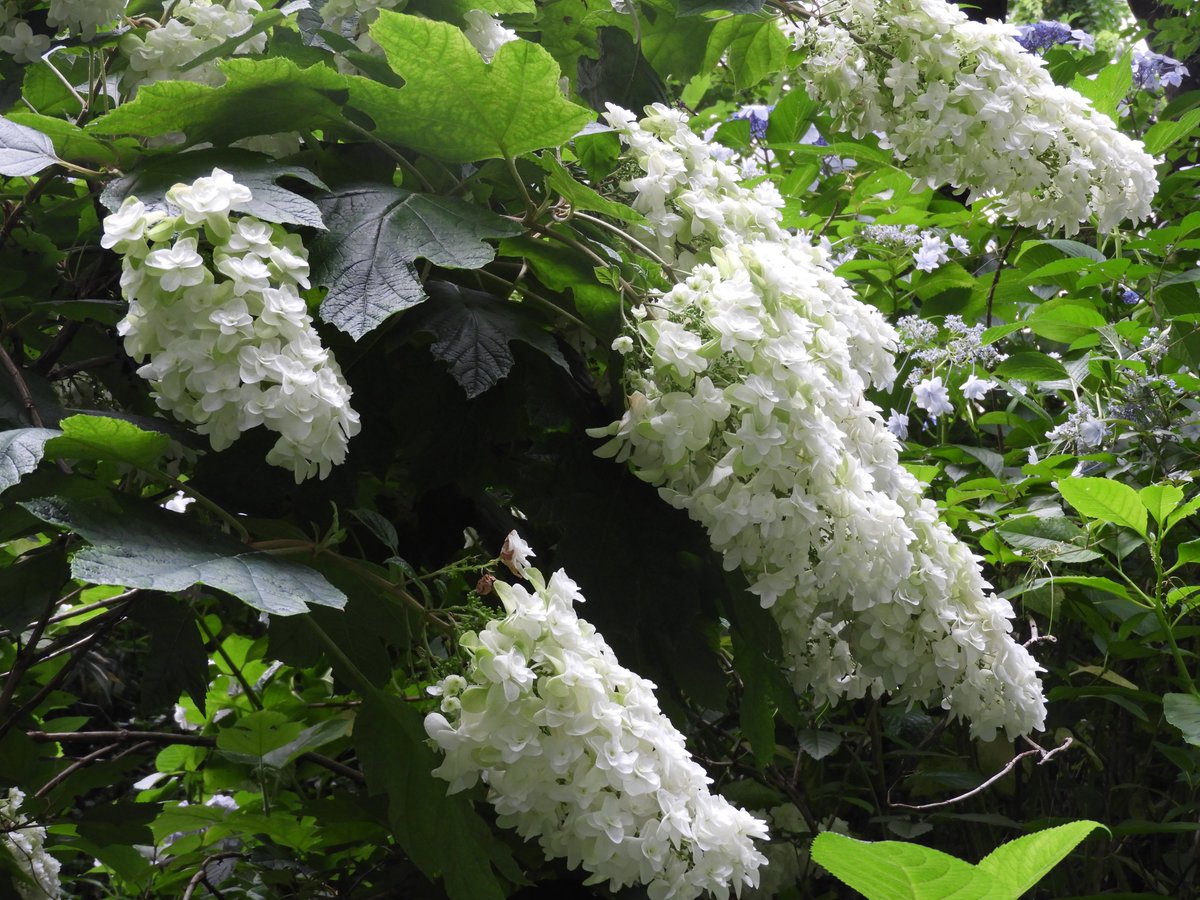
[(84, 761), (1012, 764), (22, 387), (167, 737), (996, 278), (201, 875)]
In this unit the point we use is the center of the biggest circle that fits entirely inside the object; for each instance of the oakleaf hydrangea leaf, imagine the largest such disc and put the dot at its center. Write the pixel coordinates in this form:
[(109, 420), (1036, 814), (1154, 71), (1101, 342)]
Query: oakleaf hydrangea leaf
[(456, 107), (375, 234), (259, 96), (269, 201), (20, 452), (137, 545), (472, 332)]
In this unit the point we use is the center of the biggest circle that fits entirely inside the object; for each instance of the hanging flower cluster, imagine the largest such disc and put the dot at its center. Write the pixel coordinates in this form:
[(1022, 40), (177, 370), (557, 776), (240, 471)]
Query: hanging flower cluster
[(747, 409), (962, 103), (230, 343), (27, 845), (194, 28), (575, 752)]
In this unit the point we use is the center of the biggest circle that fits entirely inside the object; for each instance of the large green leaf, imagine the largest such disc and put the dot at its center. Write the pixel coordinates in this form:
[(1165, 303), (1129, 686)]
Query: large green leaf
[(1160, 500), (472, 331), (892, 870), (268, 201), (20, 452), (1108, 501), (1183, 711), (104, 437), (456, 107), (175, 659), (443, 835), (1020, 864), (259, 96), (376, 232), (137, 545)]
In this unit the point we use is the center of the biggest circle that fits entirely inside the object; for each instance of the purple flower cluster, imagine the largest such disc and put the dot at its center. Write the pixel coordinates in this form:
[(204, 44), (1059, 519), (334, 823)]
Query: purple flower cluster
[(1044, 35), (758, 114), (1153, 71)]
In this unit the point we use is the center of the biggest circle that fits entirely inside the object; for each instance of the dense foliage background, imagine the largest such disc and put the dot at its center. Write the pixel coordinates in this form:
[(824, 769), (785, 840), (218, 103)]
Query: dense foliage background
[(226, 697)]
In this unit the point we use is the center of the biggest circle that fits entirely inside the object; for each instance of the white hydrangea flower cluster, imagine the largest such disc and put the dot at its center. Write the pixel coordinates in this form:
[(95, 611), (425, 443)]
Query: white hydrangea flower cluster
[(230, 343), (575, 752), (84, 16), (195, 27), (27, 845), (748, 411), (80, 17), (962, 103)]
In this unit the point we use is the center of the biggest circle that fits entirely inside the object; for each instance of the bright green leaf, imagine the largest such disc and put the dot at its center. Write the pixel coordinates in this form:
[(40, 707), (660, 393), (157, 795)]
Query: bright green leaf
[(1106, 500), (103, 437), (1160, 500), (456, 107), (891, 870), (1022, 863)]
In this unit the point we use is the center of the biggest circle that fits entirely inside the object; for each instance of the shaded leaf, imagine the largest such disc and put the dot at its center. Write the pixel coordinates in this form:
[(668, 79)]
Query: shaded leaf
[(256, 734), (443, 835), (269, 201), (620, 74), (137, 545), (696, 7), (1183, 711), (375, 234), (23, 150), (818, 744), (308, 740), (20, 452), (472, 332), (175, 659)]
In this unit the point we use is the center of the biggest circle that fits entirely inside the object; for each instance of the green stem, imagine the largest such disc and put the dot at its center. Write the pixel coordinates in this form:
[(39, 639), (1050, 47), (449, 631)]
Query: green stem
[(361, 682)]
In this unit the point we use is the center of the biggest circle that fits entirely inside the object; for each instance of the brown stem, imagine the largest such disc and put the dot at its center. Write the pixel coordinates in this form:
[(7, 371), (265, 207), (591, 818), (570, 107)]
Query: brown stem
[(1009, 766), (23, 391), (201, 876)]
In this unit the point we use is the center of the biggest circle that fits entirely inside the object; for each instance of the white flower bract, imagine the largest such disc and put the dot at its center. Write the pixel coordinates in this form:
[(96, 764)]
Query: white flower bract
[(230, 343), (576, 753), (27, 845), (747, 410)]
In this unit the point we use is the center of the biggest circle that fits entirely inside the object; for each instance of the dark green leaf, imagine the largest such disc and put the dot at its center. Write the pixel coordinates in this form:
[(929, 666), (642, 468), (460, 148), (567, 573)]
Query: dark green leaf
[(175, 658), (375, 234), (472, 331), (620, 74), (818, 744), (443, 835), (758, 704), (269, 201), (134, 544), (29, 585), (23, 150), (1029, 365), (309, 739), (696, 7), (256, 734)]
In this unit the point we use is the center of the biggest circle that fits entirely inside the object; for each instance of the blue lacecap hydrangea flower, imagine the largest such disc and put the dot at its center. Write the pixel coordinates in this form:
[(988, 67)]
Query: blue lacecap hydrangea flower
[(1153, 71), (1044, 35), (758, 114), (1129, 295)]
